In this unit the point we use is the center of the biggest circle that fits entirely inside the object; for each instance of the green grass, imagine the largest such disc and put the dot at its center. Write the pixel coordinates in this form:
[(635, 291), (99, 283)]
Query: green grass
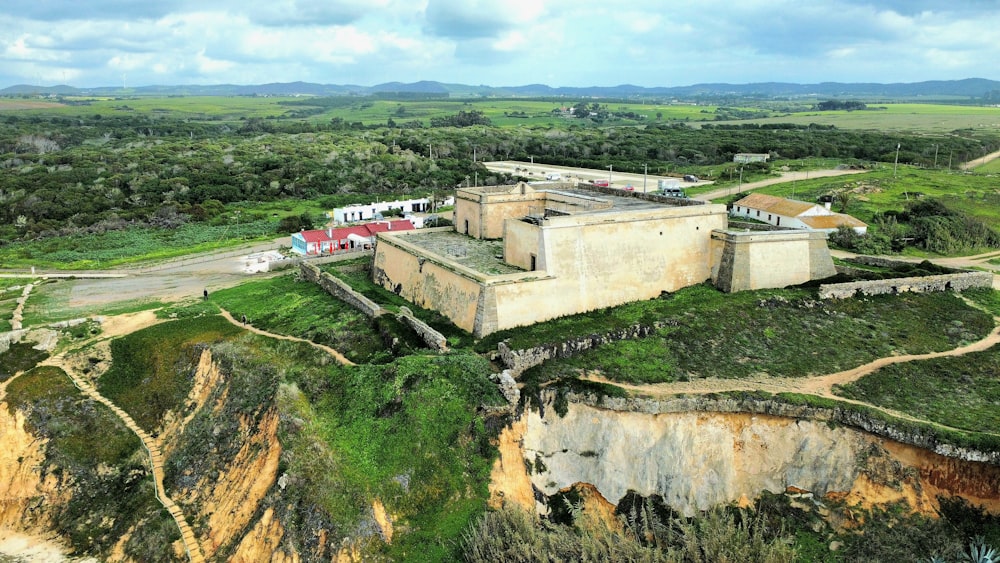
[(21, 356), (96, 435), (144, 378), (878, 191), (131, 246), (781, 333), (415, 419), (898, 117), (299, 308), (991, 167), (961, 392)]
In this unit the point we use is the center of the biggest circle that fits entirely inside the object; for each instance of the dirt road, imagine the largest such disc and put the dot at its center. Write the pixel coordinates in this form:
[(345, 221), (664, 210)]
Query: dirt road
[(785, 177)]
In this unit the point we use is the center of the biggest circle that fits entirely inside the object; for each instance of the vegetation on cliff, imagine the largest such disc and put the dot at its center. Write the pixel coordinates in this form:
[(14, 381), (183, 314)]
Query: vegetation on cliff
[(100, 463)]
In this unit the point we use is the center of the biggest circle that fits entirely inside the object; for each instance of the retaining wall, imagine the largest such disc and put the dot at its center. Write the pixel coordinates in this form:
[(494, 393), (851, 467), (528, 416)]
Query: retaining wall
[(432, 338), (340, 290), (943, 282), (518, 361)]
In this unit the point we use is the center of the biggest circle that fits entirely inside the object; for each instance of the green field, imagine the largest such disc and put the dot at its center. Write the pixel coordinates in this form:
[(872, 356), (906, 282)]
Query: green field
[(937, 118)]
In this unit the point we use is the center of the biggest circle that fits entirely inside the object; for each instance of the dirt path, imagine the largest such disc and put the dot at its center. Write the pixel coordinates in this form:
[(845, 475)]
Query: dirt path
[(785, 177), (821, 386), (979, 161), (117, 328), (336, 355)]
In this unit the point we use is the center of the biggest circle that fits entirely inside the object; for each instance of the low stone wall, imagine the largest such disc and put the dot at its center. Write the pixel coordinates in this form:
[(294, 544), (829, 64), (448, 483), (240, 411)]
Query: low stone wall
[(433, 338), (519, 361), (944, 282), (340, 290)]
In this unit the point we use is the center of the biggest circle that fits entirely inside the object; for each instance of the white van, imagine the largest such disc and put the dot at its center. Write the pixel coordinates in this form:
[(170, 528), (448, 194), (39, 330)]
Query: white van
[(553, 176)]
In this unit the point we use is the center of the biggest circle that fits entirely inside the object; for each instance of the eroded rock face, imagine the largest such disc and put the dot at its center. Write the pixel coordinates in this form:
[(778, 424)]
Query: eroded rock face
[(696, 460)]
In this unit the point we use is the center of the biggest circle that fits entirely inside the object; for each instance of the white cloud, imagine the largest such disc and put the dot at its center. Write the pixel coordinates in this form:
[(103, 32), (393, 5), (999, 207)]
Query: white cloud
[(499, 42)]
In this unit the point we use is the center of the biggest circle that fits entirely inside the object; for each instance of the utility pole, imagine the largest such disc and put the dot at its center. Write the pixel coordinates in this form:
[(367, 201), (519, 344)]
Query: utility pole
[(430, 153), (473, 154), (644, 170), (895, 164), (935, 155), (740, 188), (610, 168)]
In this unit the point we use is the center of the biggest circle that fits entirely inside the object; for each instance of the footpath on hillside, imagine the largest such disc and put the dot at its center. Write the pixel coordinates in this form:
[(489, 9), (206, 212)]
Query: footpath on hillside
[(118, 327)]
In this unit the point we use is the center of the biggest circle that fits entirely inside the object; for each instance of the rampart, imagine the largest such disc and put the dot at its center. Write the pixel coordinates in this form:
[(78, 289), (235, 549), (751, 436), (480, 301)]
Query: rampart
[(340, 290), (943, 282), (432, 338)]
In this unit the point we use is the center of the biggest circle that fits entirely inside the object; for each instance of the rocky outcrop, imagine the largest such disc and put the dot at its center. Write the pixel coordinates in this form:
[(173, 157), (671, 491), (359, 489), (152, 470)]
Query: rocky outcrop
[(696, 459)]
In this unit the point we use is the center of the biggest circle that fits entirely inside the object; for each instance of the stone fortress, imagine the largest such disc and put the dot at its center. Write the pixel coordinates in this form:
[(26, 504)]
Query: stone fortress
[(522, 254)]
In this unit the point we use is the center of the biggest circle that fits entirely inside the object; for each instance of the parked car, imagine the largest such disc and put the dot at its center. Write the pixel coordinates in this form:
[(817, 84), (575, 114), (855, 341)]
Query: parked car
[(690, 178), (600, 183)]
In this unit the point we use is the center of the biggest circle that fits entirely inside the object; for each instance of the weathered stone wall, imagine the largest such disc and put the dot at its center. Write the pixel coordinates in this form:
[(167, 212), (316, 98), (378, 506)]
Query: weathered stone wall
[(519, 361), (428, 281), (944, 282), (340, 290), (734, 225), (433, 338)]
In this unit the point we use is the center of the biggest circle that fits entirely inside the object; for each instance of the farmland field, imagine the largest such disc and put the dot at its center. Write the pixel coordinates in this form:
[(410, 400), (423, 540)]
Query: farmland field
[(898, 117)]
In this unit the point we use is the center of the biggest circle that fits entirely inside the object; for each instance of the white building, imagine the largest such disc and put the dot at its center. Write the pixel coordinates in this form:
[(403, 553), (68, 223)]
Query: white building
[(793, 214), (367, 212)]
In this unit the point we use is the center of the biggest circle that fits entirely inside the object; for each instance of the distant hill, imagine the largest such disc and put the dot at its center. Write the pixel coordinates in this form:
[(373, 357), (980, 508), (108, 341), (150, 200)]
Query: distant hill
[(969, 88)]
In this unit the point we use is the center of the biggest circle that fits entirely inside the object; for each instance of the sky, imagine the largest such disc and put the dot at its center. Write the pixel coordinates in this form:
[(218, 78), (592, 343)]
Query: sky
[(88, 43)]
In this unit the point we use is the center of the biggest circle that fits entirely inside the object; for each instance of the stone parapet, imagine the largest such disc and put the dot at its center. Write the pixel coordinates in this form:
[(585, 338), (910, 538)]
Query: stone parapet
[(943, 282)]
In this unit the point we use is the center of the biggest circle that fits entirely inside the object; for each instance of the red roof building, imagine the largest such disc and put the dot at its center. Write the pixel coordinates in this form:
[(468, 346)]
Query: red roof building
[(344, 239)]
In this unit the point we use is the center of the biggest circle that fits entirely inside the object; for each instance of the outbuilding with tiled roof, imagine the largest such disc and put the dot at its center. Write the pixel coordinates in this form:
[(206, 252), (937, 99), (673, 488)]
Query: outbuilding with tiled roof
[(794, 214)]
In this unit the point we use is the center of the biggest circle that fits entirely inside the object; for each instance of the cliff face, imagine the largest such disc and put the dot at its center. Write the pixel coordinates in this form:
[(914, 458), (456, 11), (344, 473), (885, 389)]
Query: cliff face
[(24, 487), (696, 460)]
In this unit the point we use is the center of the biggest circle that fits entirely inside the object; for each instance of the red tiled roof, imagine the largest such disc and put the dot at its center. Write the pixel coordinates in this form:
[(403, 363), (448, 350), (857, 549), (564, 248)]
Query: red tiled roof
[(366, 230)]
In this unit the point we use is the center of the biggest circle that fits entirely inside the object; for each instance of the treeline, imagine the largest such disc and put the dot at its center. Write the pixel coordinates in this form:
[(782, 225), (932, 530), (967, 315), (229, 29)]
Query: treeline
[(63, 172), (849, 105)]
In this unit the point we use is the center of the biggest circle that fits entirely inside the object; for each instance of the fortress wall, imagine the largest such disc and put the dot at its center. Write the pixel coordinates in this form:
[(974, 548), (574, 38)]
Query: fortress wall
[(520, 241), (944, 282), (428, 281), (766, 259)]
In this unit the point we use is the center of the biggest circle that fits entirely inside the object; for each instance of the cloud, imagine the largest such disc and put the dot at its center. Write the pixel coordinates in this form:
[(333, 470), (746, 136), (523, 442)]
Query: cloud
[(498, 42)]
